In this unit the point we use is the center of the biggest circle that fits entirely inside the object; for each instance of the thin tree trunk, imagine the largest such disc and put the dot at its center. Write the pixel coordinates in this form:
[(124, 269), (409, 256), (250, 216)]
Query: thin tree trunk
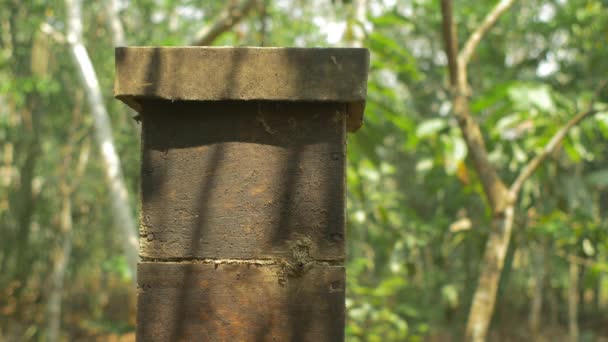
[(357, 27), (573, 303), (116, 28), (597, 297), (28, 145), (582, 303), (596, 287), (25, 200), (119, 39), (61, 260), (470, 245), (484, 299), (122, 214), (538, 270), (552, 302), (226, 20), (501, 198), (54, 304)]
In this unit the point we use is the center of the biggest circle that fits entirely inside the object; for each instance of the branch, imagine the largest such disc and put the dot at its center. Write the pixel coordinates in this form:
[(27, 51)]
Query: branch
[(357, 25), (450, 40), (481, 30), (116, 28), (469, 47), (533, 164), (493, 187), (121, 213), (226, 20)]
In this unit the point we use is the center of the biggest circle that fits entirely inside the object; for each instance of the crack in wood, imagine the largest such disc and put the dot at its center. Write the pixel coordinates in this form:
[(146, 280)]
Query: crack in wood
[(258, 262)]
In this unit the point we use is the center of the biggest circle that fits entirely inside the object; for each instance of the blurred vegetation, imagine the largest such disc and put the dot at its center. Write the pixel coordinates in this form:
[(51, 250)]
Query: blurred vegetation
[(418, 219)]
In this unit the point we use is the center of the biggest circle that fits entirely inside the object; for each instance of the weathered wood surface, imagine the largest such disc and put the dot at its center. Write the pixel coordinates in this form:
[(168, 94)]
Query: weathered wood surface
[(243, 180), (243, 74), (243, 184), (206, 302)]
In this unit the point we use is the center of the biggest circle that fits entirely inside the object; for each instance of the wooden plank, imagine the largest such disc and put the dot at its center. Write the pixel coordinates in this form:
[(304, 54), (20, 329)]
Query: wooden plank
[(243, 180), (243, 74), (206, 302)]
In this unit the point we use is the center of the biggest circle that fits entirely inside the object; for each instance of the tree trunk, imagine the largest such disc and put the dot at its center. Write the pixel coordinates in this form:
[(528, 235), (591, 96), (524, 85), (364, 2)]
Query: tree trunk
[(24, 204), (357, 37), (121, 208), (538, 270), (573, 303), (61, 263), (553, 305), (226, 20), (24, 200), (597, 296), (484, 298), (116, 28), (596, 287)]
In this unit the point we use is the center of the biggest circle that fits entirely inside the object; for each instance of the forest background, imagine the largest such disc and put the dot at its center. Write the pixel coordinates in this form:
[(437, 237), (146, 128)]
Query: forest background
[(477, 188)]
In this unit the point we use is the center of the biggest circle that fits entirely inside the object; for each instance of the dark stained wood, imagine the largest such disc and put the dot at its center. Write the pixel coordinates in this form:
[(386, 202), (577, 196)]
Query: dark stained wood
[(243, 189), (205, 302), (243, 74), (243, 180)]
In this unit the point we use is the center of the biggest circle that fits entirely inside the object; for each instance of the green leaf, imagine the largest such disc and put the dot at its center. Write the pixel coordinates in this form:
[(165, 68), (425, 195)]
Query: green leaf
[(430, 127), (526, 96), (450, 294), (588, 248)]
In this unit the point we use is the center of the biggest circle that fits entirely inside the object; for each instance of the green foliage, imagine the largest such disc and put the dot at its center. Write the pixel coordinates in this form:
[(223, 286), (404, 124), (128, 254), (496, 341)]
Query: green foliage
[(417, 219)]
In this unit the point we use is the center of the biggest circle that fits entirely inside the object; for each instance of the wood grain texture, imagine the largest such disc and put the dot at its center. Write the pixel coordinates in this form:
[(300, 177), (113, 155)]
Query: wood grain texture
[(243, 74), (243, 180), (204, 302)]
